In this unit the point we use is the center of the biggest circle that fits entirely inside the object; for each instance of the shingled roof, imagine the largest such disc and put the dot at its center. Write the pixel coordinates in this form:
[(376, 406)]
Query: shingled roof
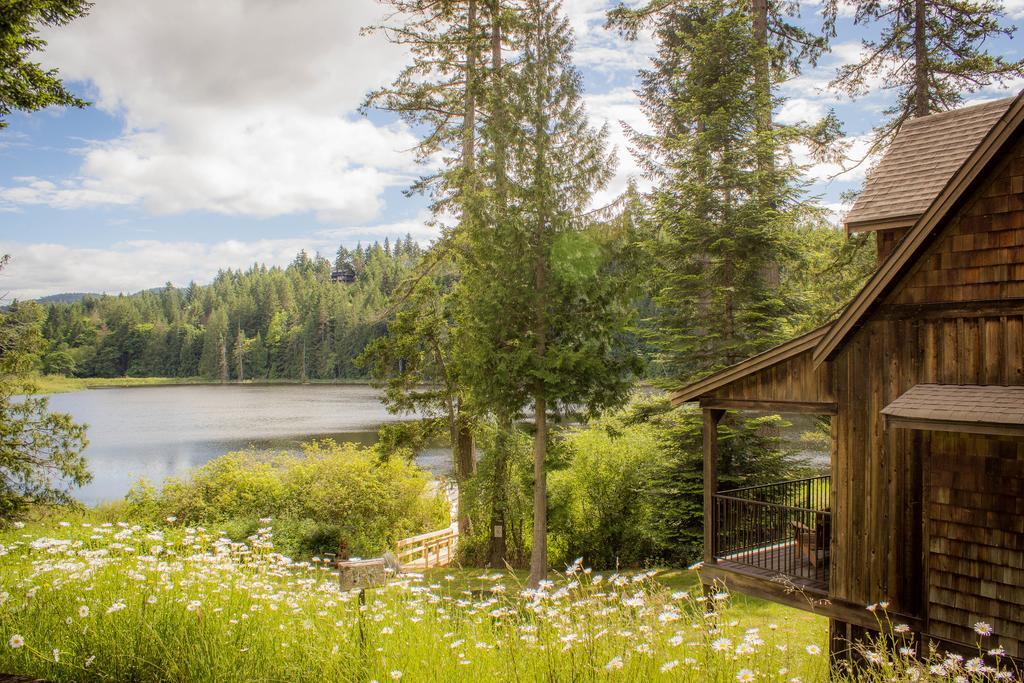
[(918, 164), (960, 408)]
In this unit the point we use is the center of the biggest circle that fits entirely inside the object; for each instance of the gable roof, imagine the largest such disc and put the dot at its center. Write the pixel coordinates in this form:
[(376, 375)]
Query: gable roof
[(919, 236), (919, 162), (765, 359), (960, 408)]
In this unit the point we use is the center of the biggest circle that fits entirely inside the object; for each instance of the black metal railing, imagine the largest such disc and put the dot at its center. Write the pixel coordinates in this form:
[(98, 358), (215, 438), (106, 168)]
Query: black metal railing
[(784, 527)]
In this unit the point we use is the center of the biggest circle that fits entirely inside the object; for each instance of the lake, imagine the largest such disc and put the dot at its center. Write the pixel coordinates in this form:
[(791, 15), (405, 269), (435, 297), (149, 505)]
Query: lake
[(160, 431)]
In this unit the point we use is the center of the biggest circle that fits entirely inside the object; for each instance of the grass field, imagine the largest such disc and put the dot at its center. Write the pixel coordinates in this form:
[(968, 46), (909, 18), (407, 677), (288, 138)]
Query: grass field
[(113, 601)]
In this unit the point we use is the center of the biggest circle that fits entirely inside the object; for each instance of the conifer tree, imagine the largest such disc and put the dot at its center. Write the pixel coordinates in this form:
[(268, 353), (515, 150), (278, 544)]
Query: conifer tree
[(929, 53), (24, 85), (541, 326), (437, 92), (717, 216)]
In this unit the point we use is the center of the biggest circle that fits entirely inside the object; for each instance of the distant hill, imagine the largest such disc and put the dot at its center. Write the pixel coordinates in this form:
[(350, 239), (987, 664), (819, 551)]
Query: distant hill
[(64, 297)]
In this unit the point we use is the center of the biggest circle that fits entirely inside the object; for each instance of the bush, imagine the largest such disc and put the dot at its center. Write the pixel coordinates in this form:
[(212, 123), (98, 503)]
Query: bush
[(504, 479), (631, 491), (331, 498), (596, 512)]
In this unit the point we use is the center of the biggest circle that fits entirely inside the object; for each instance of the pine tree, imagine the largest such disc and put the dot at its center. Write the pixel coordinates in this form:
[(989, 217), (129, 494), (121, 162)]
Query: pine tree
[(24, 85), (540, 323), (929, 53), (438, 92), (717, 215)]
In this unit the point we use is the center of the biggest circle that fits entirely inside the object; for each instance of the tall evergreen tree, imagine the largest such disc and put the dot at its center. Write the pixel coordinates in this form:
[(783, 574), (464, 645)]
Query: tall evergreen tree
[(717, 216), (439, 92), (540, 325), (929, 54), (24, 85)]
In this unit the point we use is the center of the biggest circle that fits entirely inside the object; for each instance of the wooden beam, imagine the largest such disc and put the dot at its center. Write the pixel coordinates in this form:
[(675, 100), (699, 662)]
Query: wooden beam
[(711, 419), (783, 594), (813, 407), (958, 427), (987, 308)]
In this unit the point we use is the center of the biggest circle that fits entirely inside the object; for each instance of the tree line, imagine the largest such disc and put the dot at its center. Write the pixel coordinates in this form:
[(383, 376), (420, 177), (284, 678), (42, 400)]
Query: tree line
[(295, 322)]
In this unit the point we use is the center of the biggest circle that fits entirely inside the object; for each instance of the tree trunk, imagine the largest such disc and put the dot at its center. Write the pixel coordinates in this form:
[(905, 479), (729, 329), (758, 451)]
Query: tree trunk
[(469, 114), (223, 360), (465, 467), (762, 69), (921, 90), (499, 98), (539, 554)]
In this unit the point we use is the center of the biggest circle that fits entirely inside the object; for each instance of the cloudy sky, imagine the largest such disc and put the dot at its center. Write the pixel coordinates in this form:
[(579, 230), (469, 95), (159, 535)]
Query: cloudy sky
[(227, 133)]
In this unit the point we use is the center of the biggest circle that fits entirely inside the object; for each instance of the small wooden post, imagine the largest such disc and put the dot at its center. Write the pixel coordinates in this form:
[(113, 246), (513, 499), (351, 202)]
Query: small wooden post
[(712, 416)]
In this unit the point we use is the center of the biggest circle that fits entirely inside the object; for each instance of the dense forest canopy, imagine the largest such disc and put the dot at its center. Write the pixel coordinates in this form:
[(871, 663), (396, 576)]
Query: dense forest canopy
[(262, 323)]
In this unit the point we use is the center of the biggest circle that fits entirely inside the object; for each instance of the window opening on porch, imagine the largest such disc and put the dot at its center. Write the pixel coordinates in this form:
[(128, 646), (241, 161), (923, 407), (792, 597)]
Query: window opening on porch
[(781, 528)]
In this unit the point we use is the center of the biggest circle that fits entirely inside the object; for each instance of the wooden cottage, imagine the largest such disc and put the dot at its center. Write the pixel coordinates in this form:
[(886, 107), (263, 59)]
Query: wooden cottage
[(922, 376)]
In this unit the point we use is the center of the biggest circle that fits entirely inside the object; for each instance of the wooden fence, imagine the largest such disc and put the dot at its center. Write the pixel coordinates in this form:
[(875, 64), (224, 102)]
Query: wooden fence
[(433, 549)]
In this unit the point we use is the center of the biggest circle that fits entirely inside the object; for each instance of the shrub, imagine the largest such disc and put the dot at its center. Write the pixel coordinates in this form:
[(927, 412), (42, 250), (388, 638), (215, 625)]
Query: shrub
[(330, 498), (631, 490)]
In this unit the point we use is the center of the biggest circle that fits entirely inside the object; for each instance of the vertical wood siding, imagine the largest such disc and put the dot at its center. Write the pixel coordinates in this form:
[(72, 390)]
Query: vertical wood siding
[(795, 379)]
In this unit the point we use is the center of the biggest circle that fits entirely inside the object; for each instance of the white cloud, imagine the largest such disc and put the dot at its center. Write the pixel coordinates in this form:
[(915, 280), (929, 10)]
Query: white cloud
[(1014, 8), (244, 107), (45, 268), (800, 110), (614, 108)]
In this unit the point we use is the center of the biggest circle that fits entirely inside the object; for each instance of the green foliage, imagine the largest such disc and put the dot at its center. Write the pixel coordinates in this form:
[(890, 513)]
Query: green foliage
[(540, 316), (40, 451), (262, 323), (332, 497), (631, 492), (827, 271), (598, 510), (24, 85), (504, 481), (717, 217)]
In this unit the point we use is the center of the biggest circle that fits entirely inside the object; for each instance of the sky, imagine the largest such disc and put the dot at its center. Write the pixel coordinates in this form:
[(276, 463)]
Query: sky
[(226, 133)]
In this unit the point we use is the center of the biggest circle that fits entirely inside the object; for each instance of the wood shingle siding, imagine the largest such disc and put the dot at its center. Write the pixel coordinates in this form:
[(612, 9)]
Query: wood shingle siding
[(975, 517), (980, 256)]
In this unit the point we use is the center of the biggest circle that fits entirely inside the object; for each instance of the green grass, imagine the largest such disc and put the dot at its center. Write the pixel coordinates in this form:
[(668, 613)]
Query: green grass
[(58, 384), (131, 603), (109, 601)]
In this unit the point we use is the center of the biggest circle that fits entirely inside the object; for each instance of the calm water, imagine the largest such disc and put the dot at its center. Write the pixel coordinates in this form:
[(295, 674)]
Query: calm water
[(155, 432)]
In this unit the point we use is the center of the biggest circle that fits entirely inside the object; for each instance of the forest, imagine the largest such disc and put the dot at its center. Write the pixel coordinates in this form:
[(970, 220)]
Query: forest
[(262, 323)]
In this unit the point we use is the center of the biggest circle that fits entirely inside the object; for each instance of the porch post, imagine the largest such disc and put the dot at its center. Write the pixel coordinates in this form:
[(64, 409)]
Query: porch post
[(712, 416)]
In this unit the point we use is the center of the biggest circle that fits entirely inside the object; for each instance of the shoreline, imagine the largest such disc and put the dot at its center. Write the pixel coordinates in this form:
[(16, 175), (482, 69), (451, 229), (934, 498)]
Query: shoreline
[(57, 384)]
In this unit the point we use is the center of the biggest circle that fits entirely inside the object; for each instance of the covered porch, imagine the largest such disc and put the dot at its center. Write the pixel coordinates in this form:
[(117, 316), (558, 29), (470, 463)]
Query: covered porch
[(783, 529), (773, 539)]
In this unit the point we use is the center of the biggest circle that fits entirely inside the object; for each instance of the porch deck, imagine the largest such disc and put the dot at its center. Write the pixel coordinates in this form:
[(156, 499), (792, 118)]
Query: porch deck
[(768, 562)]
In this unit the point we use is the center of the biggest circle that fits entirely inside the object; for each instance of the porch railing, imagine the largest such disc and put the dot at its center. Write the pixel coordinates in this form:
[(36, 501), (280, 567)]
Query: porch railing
[(783, 527)]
